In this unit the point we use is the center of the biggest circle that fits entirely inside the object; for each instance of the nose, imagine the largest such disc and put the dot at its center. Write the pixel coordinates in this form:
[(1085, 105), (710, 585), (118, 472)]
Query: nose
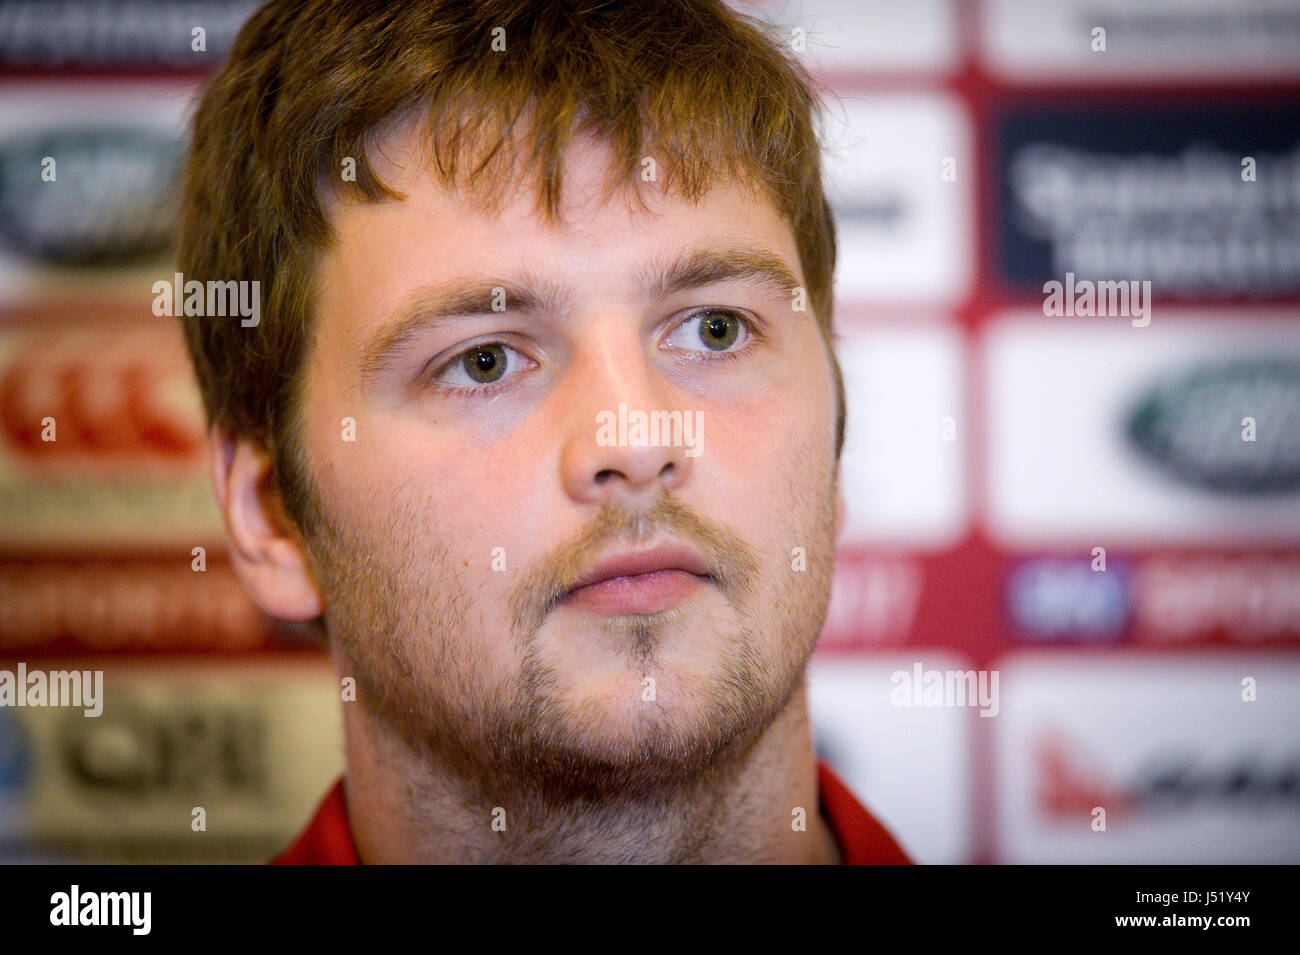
[(624, 438)]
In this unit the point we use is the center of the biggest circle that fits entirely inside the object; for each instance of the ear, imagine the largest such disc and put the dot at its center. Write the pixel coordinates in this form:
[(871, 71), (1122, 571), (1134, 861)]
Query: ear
[(267, 552)]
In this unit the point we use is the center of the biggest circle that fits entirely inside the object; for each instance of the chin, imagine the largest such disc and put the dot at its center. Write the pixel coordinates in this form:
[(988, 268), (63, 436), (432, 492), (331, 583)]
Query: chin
[(681, 717), (652, 749), (682, 649)]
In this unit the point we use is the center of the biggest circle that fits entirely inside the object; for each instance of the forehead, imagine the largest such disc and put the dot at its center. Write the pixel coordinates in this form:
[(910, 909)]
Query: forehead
[(387, 257), (596, 204)]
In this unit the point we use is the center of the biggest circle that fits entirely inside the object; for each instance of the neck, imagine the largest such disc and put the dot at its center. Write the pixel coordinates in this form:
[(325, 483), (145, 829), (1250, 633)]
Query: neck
[(404, 809)]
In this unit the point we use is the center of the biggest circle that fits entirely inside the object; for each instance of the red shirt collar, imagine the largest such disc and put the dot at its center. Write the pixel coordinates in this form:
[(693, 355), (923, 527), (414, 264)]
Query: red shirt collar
[(862, 840)]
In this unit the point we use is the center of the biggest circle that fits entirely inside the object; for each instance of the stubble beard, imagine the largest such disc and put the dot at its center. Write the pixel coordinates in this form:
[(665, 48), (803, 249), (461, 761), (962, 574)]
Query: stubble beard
[(405, 623)]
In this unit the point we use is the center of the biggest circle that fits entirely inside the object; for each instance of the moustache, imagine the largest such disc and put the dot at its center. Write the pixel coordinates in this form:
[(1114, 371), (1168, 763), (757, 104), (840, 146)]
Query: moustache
[(732, 563)]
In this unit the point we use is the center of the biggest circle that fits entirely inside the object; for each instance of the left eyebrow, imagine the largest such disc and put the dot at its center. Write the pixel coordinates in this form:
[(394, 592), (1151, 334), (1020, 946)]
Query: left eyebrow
[(693, 268), (696, 267)]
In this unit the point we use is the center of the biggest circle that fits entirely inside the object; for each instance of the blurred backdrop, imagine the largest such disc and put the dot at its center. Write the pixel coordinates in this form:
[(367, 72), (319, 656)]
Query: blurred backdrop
[(1087, 516)]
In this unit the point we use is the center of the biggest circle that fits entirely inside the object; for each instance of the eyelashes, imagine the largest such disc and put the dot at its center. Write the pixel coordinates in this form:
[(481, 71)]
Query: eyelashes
[(464, 374), (468, 361), (711, 333)]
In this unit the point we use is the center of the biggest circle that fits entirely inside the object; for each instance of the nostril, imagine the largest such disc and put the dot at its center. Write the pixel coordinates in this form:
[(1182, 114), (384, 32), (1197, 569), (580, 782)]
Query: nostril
[(605, 475)]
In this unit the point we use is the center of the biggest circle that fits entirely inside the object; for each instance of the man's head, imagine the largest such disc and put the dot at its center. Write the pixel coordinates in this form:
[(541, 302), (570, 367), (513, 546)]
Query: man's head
[(546, 292)]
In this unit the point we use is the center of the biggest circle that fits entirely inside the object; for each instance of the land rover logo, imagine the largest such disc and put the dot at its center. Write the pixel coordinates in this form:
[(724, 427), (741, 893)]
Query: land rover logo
[(1191, 427), (111, 200)]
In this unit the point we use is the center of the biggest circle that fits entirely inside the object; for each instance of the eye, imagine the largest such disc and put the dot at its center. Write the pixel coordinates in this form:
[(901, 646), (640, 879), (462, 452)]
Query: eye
[(482, 364), (711, 329)]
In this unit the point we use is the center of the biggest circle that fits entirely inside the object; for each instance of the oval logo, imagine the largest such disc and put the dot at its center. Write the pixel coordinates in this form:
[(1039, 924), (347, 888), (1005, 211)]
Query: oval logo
[(108, 197), (1051, 598), (1232, 427)]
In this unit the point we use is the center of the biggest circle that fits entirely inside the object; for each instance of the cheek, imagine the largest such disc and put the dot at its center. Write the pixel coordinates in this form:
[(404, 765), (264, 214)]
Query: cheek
[(788, 402), (486, 505), (766, 473), (770, 444)]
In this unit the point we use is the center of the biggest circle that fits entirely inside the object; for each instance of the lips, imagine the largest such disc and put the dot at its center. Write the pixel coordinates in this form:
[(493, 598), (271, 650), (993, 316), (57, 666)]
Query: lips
[(640, 581), (663, 557)]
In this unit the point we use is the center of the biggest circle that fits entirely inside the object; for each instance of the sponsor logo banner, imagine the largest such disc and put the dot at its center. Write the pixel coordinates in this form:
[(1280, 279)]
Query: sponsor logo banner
[(911, 765), (1201, 199), (197, 761), (900, 179), (903, 466), (129, 604), (92, 34), (849, 37), (110, 206), (1147, 758), (1109, 41), (1108, 435), (88, 179), (101, 434), (874, 600), (1059, 598)]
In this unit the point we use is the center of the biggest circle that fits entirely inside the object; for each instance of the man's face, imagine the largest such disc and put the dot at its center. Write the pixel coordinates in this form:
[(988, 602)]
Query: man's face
[(487, 475)]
